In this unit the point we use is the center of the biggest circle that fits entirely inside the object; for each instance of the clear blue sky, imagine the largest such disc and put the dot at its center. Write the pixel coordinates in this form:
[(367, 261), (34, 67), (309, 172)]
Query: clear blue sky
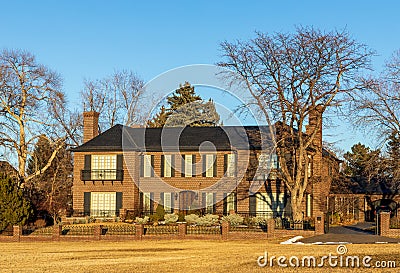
[(91, 39)]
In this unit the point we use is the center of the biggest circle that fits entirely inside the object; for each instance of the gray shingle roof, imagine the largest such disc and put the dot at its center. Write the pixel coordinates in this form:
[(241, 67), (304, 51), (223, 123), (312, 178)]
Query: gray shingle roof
[(119, 138)]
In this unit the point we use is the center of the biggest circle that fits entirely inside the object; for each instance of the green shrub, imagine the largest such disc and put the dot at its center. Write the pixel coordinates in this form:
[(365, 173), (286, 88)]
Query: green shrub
[(258, 221), (160, 212), (191, 218), (208, 220), (143, 221), (15, 209), (171, 218), (233, 219)]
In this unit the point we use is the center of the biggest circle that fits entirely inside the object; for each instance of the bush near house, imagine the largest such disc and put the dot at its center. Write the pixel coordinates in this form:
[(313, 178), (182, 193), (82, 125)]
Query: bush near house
[(233, 219), (171, 218), (15, 209)]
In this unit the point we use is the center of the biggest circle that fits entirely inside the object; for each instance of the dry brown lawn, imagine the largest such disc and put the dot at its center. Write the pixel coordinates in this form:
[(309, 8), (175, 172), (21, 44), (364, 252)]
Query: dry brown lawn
[(172, 256)]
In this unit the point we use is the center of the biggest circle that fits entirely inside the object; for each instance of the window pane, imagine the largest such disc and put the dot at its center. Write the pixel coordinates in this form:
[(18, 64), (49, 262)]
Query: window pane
[(147, 166), (230, 202), (146, 202), (209, 202), (209, 165), (167, 202), (103, 204), (188, 166), (270, 204), (231, 165), (167, 165), (104, 167)]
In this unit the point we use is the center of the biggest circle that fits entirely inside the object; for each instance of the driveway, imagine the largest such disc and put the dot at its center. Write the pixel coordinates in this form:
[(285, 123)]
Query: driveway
[(353, 234)]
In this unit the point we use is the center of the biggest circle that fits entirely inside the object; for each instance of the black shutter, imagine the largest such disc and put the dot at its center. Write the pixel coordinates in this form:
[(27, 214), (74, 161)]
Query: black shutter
[(151, 202), (225, 209), (215, 173), (88, 162), (252, 205), (141, 166), (193, 165), (214, 202), (172, 202), (204, 157), (225, 164), (204, 200), (141, 205), (118, 202), (183, 166), (86, 203), (119, 162), (235, 163), (162, 199), (152, 165), (172, 165), (162, 165)]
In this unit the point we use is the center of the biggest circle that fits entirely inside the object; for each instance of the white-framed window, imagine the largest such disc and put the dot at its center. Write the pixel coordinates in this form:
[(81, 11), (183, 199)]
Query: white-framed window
[(147, 165), (103, 204), (146, 202), (168, 202), (230, 165), (269, 204), (266, 164), (188, 161), (167, 165), (104, 167), (308, 205), (209, 165), (230, 202), (209, 202)]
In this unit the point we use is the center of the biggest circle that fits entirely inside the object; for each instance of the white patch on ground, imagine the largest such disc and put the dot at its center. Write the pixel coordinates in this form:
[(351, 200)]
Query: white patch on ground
[(293, 241)]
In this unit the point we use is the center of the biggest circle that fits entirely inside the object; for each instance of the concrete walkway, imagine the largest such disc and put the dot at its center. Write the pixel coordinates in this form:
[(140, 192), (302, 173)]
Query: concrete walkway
[(354, 234)]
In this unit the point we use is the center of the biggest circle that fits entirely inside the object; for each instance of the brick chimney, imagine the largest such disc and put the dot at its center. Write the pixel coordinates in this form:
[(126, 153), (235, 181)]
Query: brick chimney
[(90, 125), (315, 123)]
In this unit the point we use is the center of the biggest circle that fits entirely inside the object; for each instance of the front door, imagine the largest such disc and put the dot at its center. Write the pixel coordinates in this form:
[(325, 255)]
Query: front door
[(187, 201)]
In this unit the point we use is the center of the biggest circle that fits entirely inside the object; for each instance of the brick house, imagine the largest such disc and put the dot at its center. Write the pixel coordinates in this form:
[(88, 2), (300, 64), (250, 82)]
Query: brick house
[(133, 170)]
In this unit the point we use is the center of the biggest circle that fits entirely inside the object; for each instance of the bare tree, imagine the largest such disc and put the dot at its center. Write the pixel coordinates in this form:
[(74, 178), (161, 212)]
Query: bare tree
[(289, 77), (378, 106), (50, 192), (29, 91), (114, 97)]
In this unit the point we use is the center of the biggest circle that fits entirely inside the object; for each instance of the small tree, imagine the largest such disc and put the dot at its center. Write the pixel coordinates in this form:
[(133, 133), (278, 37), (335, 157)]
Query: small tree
[(15, 209)]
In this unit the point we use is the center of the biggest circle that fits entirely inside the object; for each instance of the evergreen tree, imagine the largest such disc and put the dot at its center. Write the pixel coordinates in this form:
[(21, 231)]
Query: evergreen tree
[(186, 108), (364, 168), (393, 164), (50, 191), (159, 120), (15, 209)]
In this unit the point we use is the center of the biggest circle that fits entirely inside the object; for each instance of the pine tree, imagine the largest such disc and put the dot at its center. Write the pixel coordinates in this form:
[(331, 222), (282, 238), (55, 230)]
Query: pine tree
[(15, 209), (363, 166), (159, 120), (186, 108), (183, 95)]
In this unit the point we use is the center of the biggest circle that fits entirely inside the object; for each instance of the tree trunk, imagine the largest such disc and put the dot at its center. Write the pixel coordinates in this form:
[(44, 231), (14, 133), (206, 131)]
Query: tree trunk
[(295, 203)]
